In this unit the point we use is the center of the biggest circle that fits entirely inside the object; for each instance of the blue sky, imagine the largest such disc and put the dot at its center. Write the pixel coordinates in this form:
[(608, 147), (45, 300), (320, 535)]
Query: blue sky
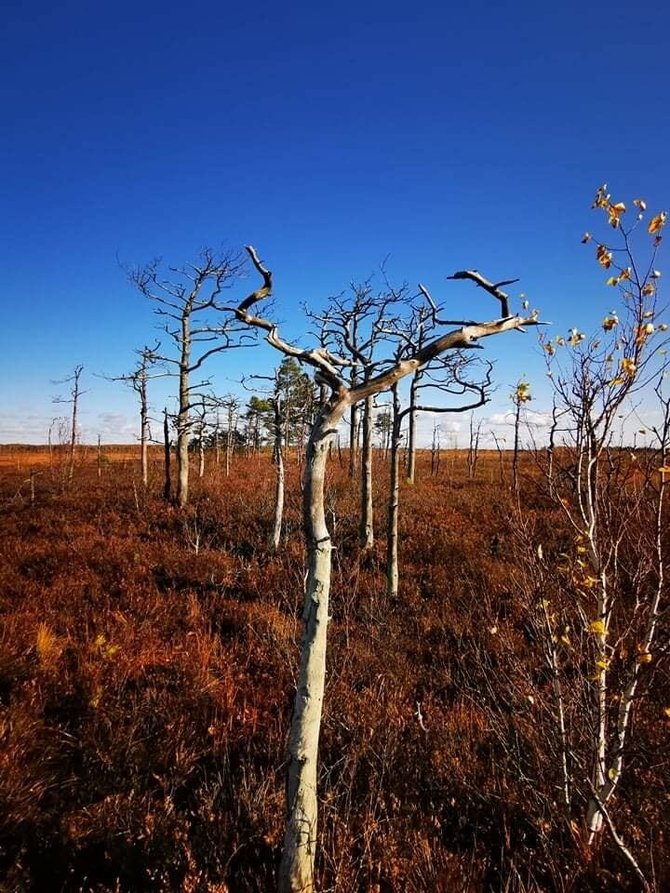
[(328, 136)]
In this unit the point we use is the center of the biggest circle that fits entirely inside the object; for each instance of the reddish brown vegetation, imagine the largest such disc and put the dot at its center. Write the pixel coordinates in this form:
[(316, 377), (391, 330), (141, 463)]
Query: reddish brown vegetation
[(146, 678)]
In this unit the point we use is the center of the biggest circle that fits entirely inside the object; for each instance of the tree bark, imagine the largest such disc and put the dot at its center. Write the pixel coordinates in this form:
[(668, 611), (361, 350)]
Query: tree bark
[(394, 498), (367, 536), (354, 425), (167, 486), (183, 415), (144, 424), (411, 430), (296, 872), (279, 481)]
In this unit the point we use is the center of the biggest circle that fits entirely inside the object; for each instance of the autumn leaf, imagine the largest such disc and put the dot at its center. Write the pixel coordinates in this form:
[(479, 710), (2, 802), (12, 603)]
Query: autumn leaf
[(613, 280), (604, 257), (628, 366), (602, 197), (640, 203), (586, 238), (597, 627), (615, 212), (658, 222), (610, 322)]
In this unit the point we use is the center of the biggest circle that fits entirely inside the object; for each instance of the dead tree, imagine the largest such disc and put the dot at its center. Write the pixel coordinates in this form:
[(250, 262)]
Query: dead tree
[(296, 871), (138, 380), (352, 327), (167, 447), (446, 375), (76, 392), (473, 445), (190, 302)]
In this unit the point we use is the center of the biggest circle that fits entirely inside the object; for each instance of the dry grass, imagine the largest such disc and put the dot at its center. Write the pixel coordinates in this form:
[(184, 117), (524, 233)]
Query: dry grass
[(146, 689)]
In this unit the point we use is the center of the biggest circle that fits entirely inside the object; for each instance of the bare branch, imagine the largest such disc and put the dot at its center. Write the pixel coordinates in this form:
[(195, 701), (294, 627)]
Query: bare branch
[(492, 288)]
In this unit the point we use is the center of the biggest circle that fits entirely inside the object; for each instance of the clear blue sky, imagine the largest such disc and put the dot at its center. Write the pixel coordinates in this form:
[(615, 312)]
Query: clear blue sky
[(329, 136)]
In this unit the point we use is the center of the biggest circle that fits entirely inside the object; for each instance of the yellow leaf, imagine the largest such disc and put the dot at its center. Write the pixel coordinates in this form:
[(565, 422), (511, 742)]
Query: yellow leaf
[(640, 203), (628, 366), (667, 712), (615, 212), (604, 257), (602, 197), (586, 238), (658, 222), (611, 773), (644, 658), (597, 627), (648, 289), (613, 280), (664, 469)]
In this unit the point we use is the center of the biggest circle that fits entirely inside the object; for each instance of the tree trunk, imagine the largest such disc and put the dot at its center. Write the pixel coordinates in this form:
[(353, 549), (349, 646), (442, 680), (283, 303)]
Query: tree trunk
[(394, 499), (182, 443), (167, 486), (296, 872), (367, 536), (354, 425), (183, 416), (75, 406), (144, 431), (279, 488), (201, 453), (411, 432)]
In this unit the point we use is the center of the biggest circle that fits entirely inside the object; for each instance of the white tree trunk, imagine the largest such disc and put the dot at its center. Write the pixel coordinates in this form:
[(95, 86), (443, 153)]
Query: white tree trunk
[(394, 499), (367, 535), (279, 481), (296, 872), (411, 432)]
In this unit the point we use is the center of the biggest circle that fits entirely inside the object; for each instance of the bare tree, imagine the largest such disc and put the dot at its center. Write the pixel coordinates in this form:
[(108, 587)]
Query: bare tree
[(446, 375), (76, 392), (473, 445), (352, 326), (297, 865), (138, 380), (190, 302)]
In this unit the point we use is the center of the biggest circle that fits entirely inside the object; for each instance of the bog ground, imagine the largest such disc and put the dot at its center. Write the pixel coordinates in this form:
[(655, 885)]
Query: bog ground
[(147, 674)]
